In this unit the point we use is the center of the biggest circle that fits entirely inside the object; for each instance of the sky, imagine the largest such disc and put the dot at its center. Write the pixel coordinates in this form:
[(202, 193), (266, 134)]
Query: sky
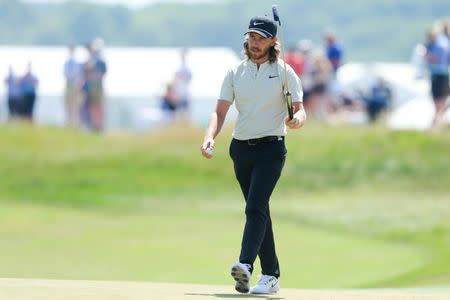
[(129, 3)]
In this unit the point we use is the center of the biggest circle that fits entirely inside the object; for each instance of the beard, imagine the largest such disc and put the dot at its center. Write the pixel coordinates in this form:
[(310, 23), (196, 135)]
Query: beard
[(258, 53)]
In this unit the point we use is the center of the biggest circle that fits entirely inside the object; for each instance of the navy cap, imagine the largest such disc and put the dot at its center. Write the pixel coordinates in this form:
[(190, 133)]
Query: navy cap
[(263, 26)]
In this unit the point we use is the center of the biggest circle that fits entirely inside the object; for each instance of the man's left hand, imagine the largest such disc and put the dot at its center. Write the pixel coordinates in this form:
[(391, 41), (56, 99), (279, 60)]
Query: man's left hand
[(295, 123)]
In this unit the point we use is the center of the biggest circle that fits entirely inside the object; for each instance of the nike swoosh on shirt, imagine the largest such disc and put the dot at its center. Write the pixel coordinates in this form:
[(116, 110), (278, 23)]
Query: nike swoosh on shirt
[(270, 76)]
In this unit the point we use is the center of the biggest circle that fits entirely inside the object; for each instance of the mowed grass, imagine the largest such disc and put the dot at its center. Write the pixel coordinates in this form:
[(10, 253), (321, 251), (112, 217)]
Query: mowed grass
[(355, 207)]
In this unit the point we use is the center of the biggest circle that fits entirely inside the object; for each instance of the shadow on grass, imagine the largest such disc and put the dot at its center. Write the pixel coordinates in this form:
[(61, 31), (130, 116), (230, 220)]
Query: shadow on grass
[(236, 296)]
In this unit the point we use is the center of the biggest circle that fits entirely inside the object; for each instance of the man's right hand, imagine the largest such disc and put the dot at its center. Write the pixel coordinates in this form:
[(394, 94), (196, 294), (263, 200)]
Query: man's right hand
[(207, 147)]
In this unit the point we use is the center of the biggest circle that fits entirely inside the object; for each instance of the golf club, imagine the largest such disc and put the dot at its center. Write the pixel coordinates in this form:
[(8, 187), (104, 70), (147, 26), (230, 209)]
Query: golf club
[(286, 90)]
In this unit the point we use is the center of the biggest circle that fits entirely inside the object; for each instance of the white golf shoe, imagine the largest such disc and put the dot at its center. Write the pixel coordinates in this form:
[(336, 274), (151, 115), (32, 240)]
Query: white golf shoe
[(241, 273), (266, 285)]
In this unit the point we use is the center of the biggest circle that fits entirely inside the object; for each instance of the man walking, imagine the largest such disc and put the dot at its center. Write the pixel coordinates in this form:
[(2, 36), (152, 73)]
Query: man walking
[(257, 149)]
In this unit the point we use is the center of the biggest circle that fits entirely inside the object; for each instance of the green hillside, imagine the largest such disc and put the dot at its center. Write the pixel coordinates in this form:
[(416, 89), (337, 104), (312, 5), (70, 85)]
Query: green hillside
[(355, 207), (370, 30)]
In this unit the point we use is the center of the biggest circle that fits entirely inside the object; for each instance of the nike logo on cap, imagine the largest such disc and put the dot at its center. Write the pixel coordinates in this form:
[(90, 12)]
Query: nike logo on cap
[(255, 23)]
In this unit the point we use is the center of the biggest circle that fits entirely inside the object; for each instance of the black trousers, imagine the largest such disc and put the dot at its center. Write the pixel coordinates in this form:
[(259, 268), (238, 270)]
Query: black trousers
[(258, 168)]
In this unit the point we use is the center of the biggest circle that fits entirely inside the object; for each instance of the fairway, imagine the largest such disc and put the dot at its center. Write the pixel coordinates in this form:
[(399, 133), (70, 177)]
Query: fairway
[(22, 289)]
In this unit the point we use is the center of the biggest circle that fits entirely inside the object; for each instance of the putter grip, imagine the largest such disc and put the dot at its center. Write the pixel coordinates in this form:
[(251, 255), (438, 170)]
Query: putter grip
[(276, 17), (289, 105)]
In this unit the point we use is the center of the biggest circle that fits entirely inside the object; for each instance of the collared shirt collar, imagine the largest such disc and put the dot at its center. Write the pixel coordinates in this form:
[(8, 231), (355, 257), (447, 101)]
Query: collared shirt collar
[(253, 64)]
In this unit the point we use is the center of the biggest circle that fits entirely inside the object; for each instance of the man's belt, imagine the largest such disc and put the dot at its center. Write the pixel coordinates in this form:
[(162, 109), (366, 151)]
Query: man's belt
[(265, 139)]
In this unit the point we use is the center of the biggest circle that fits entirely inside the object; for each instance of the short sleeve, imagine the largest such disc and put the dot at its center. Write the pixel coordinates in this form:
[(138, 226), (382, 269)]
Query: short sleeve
[(295, 85), (227, 90)]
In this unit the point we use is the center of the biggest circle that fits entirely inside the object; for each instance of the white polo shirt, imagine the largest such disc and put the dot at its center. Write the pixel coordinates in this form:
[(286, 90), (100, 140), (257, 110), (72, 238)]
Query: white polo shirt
[(258, 96)]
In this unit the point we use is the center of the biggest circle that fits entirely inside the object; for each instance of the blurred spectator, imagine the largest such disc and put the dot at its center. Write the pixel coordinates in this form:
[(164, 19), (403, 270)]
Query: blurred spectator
[(322, 74), (446, 29), (183, 77), (349, 108), (334, 54), (295, 59), (28, 84), (305, 47), (378, 100), (418, 61), (169, 101), (72, 74), (438, 59), (334, 50), (13, 93), (94, 71)]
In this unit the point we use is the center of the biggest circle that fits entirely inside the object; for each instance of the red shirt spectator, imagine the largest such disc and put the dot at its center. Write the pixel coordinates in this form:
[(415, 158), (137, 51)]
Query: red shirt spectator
[(296, 60)]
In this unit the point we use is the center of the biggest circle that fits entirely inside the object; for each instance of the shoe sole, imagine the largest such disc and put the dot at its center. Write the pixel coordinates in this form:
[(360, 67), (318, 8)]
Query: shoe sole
[(242, 279), (269, 293)]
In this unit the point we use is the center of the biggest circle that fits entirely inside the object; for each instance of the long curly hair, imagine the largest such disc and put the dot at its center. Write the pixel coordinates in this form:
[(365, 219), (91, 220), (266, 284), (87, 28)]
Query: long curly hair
[(274, 51)]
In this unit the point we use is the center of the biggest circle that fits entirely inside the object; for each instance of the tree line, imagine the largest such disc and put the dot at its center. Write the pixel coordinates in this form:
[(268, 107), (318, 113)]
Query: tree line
[(369, 29)]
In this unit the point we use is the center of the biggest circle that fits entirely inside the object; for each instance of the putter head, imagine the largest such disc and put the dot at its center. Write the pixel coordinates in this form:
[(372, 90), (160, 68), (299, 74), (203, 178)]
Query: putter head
[(276, 17)]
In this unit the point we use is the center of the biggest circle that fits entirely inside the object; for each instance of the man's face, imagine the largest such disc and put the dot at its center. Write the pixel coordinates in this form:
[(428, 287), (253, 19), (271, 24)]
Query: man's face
[(329, 39), (259, 46)]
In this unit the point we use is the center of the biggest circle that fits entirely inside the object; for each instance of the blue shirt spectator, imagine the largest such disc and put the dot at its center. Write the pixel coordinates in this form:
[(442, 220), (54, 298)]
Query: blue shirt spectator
[(12, 84), (378, 100), (334, 51), (14, 95), (28, 84), (438, 54)]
